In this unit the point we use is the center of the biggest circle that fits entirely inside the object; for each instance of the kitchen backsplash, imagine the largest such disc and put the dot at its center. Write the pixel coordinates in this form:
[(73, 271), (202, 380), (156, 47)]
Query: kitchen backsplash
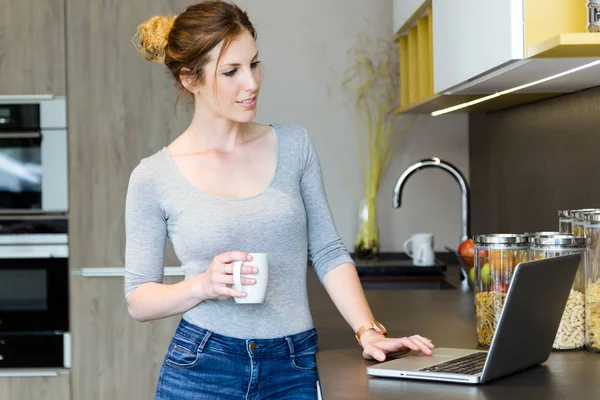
[(528, 162)]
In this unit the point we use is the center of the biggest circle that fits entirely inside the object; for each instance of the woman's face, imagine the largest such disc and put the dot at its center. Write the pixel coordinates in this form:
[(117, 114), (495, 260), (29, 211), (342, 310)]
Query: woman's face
[(233, 92)]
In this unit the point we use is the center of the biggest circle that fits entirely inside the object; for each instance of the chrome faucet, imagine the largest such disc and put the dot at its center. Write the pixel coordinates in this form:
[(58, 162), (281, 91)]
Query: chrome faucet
[(451, 169)]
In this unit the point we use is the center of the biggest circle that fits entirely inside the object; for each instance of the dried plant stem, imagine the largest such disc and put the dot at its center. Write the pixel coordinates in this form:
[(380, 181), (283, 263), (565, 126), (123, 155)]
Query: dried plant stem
[(373, 85)]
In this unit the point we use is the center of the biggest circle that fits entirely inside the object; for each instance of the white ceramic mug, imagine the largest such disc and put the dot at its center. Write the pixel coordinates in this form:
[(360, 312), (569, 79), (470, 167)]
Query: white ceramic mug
[(254, 293), (420, 248)]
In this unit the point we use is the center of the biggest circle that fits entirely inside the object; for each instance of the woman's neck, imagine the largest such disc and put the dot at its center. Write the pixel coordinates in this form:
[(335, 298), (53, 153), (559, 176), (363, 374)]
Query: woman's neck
[(210, 131)]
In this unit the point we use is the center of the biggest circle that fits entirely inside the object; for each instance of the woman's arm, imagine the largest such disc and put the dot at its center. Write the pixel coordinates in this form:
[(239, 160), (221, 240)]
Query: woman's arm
[(145, 236), (344, 288), (153, 300), (335, 267), (146, 233)]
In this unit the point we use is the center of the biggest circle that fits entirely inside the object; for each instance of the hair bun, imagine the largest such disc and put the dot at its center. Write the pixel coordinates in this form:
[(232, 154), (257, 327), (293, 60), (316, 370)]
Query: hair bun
[(152, 37)]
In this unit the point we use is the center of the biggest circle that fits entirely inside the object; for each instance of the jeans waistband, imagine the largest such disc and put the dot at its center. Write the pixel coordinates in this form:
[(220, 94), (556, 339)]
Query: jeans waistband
[(288, 344)]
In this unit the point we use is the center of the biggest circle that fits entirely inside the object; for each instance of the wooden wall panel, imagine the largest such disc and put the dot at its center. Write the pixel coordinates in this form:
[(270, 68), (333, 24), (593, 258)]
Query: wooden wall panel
[(121, 109), (528, 162), (114, 356), (36, 388), (32, 47)]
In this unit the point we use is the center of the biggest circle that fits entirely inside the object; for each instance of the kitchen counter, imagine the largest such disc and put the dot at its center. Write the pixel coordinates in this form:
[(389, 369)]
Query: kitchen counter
[(448, 318)]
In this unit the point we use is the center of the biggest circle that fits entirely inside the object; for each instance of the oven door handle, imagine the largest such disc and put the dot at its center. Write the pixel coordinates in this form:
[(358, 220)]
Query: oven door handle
[(20, 135)]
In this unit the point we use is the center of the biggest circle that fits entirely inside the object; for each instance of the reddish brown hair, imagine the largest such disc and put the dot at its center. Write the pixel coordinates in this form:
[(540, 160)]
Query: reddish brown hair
[(184, 42)]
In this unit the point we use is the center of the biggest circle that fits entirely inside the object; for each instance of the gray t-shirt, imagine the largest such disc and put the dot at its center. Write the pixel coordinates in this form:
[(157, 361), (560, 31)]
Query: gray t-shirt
[(290, 220)]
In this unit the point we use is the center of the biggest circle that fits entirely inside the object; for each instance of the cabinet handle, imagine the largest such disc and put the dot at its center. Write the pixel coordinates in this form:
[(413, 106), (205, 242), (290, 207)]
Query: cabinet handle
[(20, 135), (26, 372)]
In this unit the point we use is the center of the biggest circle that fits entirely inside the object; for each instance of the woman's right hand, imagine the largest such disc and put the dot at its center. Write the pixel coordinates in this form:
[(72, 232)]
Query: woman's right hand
[(218, 278)]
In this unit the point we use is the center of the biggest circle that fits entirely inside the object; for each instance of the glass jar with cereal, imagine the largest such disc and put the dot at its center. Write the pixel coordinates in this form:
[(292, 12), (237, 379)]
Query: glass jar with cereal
[(496, 257), (592, 283), (579, 219), (565, 221), (571, 331)]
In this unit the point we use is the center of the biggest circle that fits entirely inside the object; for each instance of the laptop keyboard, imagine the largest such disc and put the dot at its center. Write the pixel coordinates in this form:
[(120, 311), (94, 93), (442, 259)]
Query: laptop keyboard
[(467, 365)]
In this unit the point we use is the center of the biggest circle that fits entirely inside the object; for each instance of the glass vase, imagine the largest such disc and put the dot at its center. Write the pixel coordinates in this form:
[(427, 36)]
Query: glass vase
[(366, 245)]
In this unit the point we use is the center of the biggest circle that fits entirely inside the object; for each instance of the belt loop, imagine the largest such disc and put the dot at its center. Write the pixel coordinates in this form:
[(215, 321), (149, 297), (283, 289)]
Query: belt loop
[(290, 345), (204, 340)]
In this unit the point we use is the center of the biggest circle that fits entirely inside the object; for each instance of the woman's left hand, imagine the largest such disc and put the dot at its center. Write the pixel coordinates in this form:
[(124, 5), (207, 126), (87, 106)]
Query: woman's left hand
[(377, 347)]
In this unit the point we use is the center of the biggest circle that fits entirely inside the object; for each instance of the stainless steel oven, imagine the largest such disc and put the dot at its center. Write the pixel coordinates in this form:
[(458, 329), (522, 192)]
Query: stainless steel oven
[(33, 154), (34, 292)]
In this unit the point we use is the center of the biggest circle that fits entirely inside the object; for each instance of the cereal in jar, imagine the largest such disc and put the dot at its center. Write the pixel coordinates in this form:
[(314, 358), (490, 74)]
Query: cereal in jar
[(571, 331), (496, 257)]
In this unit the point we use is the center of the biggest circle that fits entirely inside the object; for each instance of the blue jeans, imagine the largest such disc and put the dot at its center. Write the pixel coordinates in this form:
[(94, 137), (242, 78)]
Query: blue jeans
[(200, 364)]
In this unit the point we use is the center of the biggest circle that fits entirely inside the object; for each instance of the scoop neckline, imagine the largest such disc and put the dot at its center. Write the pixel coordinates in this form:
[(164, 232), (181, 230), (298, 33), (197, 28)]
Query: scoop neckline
[(180, 176)]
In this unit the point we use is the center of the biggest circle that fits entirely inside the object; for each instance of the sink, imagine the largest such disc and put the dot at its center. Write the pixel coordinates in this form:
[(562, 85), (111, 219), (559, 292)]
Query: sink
[(396, 264), (396, 271), (440, 284)]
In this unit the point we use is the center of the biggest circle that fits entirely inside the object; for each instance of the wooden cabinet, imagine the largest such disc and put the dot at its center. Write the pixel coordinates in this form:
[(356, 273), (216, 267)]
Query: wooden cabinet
[(36, 387), (121, 109), (114, 356), (511, 52), (32, 47)]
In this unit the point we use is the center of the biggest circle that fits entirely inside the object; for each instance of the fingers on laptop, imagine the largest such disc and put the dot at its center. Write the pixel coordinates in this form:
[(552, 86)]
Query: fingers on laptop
[(393, 345), (416, 344), (425, 340)]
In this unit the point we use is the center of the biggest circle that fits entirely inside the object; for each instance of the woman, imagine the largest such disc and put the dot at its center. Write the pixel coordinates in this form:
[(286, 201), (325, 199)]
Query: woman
[(227, 187)]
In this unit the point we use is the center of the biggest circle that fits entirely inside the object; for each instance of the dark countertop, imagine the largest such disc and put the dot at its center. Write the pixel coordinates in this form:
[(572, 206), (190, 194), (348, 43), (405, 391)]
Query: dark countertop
[(448, 318)]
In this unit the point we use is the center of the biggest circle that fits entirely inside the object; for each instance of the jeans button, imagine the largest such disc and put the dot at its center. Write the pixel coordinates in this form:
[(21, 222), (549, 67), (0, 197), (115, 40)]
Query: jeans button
[(252, 346)]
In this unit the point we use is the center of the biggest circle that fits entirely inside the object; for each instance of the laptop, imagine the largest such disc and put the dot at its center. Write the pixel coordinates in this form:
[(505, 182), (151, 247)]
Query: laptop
[(528, 323)]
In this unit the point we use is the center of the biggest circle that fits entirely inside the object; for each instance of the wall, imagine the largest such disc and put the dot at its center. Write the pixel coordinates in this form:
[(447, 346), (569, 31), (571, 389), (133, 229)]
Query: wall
[(432, 198), (528, 162)]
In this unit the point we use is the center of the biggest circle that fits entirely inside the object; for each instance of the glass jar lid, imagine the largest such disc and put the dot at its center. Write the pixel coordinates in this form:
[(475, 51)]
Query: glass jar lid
[(545, 233), (573, 213), (531, 235), (567, 241), (501, 238), (592, 217), (580, 214)]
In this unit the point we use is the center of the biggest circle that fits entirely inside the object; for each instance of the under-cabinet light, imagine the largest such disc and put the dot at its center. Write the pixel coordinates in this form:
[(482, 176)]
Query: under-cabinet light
[(498, 94)]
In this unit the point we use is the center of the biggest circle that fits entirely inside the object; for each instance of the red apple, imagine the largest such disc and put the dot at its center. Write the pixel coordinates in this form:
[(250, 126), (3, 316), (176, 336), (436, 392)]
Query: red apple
[(467, 252)]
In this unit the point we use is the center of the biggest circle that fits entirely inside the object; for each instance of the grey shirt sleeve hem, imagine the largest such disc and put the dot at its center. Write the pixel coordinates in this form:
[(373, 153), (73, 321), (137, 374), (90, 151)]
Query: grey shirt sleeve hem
[(334, 261)]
